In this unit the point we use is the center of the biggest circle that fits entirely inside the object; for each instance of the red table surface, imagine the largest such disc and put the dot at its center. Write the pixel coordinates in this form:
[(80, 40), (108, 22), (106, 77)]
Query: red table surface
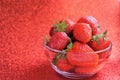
[(23, 24)]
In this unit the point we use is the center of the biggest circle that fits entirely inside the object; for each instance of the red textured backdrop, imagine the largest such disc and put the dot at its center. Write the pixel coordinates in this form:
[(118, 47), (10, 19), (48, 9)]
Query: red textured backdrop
[(23, 24)]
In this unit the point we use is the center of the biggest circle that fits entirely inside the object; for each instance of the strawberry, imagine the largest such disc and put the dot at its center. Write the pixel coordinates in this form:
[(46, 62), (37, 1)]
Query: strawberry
[(92, 22), (82, 55), (58, 41), (85, 70), (102, 43), (82, 32), (52, 31), (82, 59), (62, 26), (77, 46), (99, 42), (62, 63), (104, 54)]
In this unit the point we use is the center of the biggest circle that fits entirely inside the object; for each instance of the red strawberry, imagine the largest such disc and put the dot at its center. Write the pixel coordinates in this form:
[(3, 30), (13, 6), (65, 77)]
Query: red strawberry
[(58, 41), (104, 54), (77, 46), (82, 32), (61, 62), (85, 70), (82, 59), (92, 22), (64, 26), (70, 25), (102, 43), (52, 31), (99, 42), (82, 55), (64, 65)]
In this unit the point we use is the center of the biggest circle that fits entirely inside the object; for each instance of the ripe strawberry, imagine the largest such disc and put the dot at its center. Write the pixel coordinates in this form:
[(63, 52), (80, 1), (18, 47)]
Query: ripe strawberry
[(61, 62), (77, 46), (99, 42), (85, 70), (58, 41), (92, 22), (102, 43), (104, 55), (52, 31), (82, 32), (62, 26), (64, 65), (82, 59), (82, 55)]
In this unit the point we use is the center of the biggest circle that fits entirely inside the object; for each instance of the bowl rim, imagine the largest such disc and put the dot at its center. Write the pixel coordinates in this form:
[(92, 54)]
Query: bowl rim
[(97, 52)]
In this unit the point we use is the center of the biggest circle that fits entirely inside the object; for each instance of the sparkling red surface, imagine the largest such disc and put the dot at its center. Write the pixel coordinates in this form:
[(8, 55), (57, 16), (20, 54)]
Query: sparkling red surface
[(23, 24)]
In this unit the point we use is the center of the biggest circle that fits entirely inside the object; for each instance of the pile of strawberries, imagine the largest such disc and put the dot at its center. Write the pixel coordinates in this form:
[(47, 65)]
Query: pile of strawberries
[(79, 41)]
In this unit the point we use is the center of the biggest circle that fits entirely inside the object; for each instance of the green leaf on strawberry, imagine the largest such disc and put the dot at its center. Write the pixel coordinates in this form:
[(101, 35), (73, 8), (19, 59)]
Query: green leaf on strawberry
[(47, 39), (60, 26), (69, 46), (96, 38), (57, 57)]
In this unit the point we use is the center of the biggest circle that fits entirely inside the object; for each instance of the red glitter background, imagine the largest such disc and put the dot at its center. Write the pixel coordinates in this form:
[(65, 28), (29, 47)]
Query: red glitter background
[(23, 24)]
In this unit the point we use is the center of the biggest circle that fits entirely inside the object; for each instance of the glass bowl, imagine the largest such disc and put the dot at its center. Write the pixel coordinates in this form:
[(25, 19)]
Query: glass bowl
[(103, 58)]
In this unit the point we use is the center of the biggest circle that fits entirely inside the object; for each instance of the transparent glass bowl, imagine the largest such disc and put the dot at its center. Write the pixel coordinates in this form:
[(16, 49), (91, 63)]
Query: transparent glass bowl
[(103, 57)]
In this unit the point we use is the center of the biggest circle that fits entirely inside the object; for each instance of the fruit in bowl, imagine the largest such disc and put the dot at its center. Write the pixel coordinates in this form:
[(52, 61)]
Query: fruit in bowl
[(81, 49)]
